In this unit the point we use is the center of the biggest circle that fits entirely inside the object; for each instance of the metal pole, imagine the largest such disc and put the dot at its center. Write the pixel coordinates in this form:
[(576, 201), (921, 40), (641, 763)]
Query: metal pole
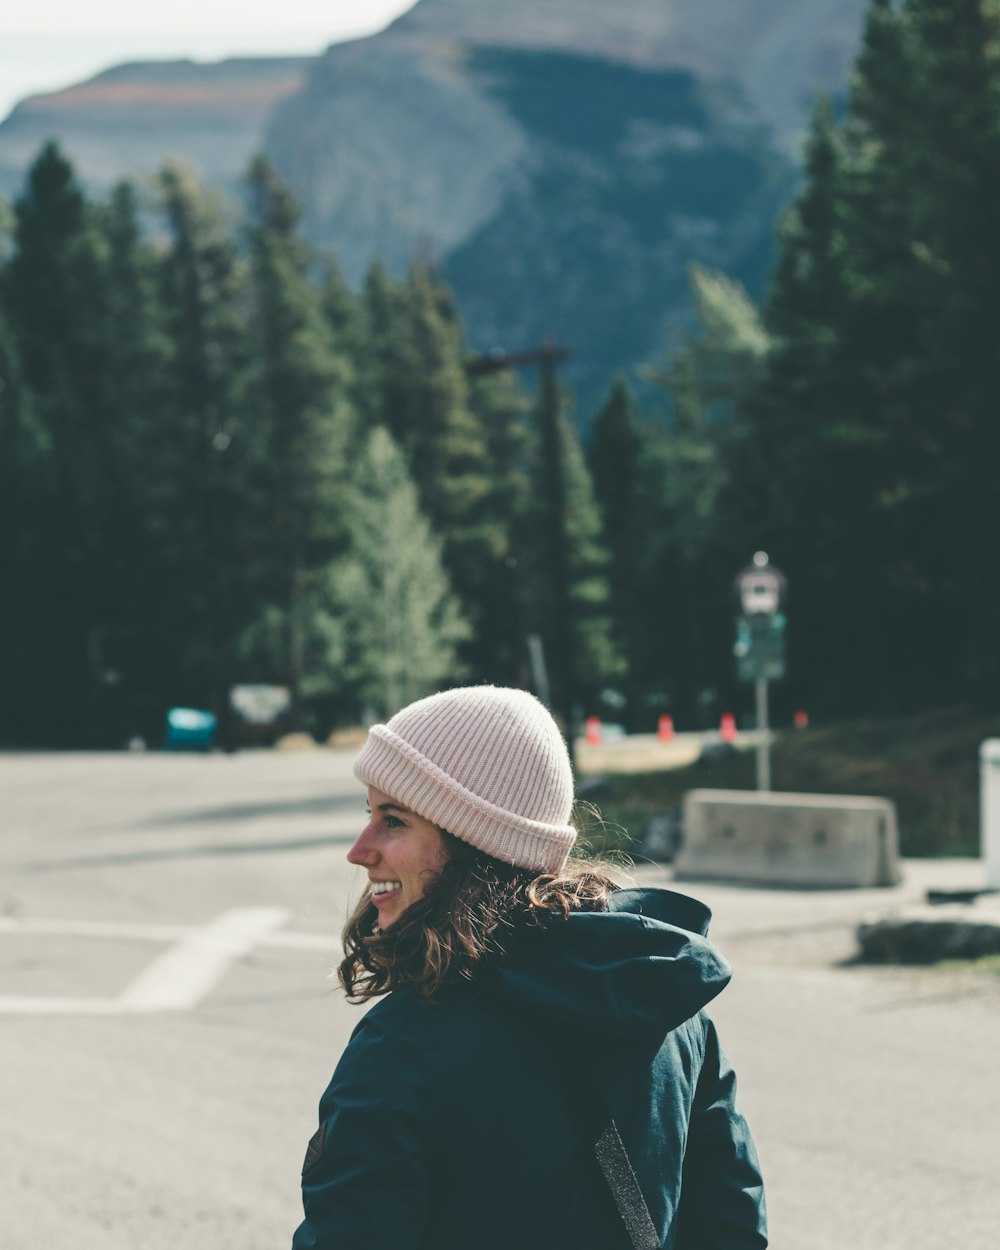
[(539, 673), (763, 737), (564, 659), (989, 810)]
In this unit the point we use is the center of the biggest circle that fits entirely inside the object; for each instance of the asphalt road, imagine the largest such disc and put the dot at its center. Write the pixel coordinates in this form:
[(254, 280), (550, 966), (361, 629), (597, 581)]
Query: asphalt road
[(167, 924)]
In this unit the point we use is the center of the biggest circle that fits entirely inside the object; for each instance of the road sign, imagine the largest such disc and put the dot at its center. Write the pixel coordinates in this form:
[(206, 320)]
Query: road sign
[(760, 587), (260, 704), (760, 646)]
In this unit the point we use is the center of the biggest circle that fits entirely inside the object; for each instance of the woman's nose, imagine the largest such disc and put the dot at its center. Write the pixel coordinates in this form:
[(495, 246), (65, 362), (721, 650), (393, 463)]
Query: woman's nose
[(363, 851)]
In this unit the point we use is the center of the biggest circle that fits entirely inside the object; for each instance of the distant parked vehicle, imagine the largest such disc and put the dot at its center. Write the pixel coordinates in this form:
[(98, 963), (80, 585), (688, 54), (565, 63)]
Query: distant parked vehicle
[(190, 729), (259, 714)]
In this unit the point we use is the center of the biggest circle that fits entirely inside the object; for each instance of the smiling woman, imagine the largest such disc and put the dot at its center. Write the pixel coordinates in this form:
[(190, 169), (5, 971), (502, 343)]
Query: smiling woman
[(402, 852), (539, 1065)]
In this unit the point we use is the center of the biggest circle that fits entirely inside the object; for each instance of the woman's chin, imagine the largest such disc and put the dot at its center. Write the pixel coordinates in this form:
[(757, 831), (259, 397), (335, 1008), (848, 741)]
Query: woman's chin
[(388, 910)]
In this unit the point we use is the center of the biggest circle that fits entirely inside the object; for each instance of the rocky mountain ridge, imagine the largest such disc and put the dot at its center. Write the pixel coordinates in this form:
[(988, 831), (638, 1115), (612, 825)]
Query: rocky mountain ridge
[(562, 160), (127, 120), (778, 52)]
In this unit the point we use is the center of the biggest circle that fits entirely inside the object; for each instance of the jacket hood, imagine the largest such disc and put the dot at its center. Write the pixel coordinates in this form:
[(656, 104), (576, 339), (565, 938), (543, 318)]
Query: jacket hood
[(637, 970)]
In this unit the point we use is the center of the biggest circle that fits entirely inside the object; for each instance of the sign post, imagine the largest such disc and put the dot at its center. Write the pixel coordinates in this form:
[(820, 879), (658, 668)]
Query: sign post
[(763, 736), (760, 645), (989, 810)]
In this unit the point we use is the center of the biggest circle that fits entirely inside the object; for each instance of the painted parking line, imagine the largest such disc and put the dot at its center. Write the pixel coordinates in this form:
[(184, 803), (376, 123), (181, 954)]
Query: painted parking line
[(179, 978), (282, 938)]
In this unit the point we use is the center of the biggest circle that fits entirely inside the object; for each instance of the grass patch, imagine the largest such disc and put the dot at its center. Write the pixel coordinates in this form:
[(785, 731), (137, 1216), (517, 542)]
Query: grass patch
[(984, 965), (927, 764)]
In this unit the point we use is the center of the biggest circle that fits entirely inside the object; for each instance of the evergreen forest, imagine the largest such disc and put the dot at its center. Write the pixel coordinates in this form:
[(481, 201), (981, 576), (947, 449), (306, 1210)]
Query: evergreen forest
[(220, 464)]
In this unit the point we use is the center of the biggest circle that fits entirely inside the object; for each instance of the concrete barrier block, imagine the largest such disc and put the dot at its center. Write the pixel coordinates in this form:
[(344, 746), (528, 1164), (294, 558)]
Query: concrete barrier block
[(807, 840)]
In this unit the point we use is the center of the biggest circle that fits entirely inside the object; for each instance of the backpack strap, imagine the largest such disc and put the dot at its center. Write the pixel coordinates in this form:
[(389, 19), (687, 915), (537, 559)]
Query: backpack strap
[(608, 1148), (611, 1155)]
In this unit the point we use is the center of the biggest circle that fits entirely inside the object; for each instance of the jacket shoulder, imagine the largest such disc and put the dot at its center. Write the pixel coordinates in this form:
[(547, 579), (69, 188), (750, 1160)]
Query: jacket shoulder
[(425, 1061), (404, 1026)]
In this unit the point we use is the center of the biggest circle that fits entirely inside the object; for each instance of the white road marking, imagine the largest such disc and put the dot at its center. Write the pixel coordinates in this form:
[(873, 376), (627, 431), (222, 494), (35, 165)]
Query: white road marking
[(90, 928), (181, 977), (157, 933)]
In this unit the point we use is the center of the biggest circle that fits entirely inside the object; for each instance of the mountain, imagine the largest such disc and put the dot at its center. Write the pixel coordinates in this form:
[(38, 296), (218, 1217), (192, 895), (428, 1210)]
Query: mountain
[(127, 120), (779, 52), (561, 160)]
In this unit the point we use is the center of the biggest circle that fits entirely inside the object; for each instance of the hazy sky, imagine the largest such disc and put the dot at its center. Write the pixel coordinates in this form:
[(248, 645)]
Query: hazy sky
[(52, 43)]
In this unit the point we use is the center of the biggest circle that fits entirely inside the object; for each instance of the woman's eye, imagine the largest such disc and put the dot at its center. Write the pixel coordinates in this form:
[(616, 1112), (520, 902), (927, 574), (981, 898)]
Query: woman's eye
[(392, 822)]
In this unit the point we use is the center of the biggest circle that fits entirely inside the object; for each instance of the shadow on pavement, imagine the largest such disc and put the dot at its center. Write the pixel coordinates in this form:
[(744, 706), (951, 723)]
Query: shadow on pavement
[(189, 852), (317, 804)]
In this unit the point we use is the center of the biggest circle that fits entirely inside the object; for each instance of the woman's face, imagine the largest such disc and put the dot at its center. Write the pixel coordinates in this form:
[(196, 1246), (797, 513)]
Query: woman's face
[(402, 852)]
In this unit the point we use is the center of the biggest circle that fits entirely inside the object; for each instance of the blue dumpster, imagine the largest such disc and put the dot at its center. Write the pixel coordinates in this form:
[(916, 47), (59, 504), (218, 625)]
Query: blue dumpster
[(189, 729)]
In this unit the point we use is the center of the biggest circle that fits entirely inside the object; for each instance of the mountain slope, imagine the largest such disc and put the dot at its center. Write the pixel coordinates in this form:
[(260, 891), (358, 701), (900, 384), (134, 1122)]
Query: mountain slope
[(563, 160), (779, 52), (127, 120), (642, 174)]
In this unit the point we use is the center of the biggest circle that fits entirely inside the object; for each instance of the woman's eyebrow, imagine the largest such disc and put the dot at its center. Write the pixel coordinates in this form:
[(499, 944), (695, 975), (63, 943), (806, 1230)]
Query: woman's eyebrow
[(394, 807)]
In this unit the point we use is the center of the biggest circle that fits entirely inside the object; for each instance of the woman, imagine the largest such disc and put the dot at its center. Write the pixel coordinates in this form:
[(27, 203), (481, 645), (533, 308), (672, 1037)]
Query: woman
[(538, 1070)]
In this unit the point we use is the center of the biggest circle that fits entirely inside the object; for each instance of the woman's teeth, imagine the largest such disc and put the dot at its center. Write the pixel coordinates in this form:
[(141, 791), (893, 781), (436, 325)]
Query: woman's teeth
[(384, 887)]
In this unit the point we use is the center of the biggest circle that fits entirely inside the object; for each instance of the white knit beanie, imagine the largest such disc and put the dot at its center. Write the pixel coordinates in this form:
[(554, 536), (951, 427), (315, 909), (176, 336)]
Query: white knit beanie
[(486, 763)]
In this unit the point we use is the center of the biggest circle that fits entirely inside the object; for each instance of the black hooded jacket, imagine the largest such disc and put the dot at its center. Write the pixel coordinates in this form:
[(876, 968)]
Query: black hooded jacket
[(471, 1122)]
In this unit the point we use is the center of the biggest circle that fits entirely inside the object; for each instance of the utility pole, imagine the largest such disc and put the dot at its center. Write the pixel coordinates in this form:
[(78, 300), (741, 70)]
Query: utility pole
[(546, 357)]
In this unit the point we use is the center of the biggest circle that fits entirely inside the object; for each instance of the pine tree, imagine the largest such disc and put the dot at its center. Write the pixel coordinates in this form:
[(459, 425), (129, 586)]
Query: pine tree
[(501, 593), (613, 455), (890, 290), (616, 459), (344, 315), (802, 398), (953, 439), (563, 565), (872, 438), (138, 399), (55, 302), (445, 443), (597, 656), (303, 422), (205, 449), (695, 533), (25, 496), (809, 467), (386, 360), (402, 621), (415, 382)]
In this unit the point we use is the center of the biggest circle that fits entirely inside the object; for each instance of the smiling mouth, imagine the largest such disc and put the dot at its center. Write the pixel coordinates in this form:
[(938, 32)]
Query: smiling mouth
[(384, 890)]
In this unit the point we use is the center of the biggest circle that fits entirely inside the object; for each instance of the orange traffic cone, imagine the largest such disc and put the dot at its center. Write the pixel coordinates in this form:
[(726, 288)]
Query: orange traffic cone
[(727, 727), (665, 729), (593, 724)]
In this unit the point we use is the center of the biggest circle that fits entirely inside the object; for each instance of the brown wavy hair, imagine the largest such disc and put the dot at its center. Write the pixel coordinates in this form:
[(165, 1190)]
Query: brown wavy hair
[(469, 916)]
